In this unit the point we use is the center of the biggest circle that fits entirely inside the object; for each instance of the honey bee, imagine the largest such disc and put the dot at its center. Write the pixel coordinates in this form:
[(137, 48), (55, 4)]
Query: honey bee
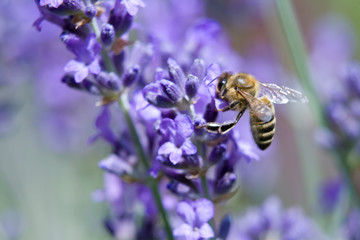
[(242, 91)]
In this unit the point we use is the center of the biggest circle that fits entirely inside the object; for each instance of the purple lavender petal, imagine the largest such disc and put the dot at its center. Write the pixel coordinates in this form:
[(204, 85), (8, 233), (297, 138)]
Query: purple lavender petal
[(198, 68), (81, 71), (113, 187), (184, 230), (167, 127), (102, 123), (80, 75), (184, 125), (185, 210), (213, 71), (330, 193), (177, 74), (204, 210), (188, 148), (73, 66), (51, 3), (167, 148), (175, 157), (246, 150), (132, 6), (94, 67), (206, 231), (115, 164)]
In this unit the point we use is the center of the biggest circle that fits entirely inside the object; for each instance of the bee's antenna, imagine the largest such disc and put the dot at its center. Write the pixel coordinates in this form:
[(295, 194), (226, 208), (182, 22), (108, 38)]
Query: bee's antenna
[(213, 80)]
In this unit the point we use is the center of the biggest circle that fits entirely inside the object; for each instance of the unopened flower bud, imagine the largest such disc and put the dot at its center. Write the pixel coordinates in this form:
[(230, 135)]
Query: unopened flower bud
[(224, 227), (210, 113), (217, 154), (109, 80), (192, 85), (107, 34), (90, 11), (225, 184), (131, 76), (172, 90)]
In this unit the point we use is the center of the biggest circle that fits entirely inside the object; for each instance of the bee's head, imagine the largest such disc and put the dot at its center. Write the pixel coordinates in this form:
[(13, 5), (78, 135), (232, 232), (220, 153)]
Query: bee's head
[(221, 83)]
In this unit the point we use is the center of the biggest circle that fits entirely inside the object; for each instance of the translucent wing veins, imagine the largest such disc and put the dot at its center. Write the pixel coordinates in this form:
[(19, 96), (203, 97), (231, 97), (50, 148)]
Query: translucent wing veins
[(281, 94)]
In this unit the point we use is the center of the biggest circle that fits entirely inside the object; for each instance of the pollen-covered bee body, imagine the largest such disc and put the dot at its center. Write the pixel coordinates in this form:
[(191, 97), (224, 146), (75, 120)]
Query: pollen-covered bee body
[(243, 91)]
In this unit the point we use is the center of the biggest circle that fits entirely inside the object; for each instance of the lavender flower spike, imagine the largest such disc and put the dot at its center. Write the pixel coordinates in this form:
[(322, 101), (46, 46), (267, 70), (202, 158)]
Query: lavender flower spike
[(195, 215)]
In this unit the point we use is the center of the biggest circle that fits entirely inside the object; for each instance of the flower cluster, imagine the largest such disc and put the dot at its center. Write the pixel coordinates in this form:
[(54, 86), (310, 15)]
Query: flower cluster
[(161, 160), (270, 221)]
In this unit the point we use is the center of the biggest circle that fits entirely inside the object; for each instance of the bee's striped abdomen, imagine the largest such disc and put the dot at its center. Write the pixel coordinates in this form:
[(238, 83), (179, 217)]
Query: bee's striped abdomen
[(263, 133)]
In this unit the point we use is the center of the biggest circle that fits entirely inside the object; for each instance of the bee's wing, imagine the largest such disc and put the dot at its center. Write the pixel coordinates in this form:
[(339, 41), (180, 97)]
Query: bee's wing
[(257, 107), (281, 94)]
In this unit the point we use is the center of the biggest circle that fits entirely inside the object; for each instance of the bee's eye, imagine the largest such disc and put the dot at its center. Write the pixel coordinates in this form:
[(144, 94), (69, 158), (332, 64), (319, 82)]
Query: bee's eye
[(221, 83)]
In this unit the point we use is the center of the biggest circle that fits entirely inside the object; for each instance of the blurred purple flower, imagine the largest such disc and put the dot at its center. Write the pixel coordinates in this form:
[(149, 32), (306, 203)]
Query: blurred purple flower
[(330, 194), (195, 215), (271, 221), (352, 226), (133, 5), (116, 165)]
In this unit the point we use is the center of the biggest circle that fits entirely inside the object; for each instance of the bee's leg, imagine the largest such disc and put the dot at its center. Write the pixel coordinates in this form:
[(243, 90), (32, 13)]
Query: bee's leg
[(211, 127), (225, 127), (231, 106)]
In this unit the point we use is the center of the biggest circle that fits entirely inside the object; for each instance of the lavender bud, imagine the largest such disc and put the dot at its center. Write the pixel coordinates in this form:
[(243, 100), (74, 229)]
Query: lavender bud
[(159, 101), (154, 95), (90, 11), (118, 60), (107, 34), (176, 73), (109, 226), (192, 85), (192, 160), (120, 19), (198, 68), (171, 90), (86, 85), (70, 81), (210, 113), (178, 188), (225, 184), (199, 122), (131, 76), (109, 80), (116, 165), (224, 227), (90, 87), (217, 154), (351, 76)]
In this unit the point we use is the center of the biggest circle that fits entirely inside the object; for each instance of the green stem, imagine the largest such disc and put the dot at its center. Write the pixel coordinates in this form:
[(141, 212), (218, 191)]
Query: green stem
[(124, 106), (299, 55), (205, 187), (123, 103)]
